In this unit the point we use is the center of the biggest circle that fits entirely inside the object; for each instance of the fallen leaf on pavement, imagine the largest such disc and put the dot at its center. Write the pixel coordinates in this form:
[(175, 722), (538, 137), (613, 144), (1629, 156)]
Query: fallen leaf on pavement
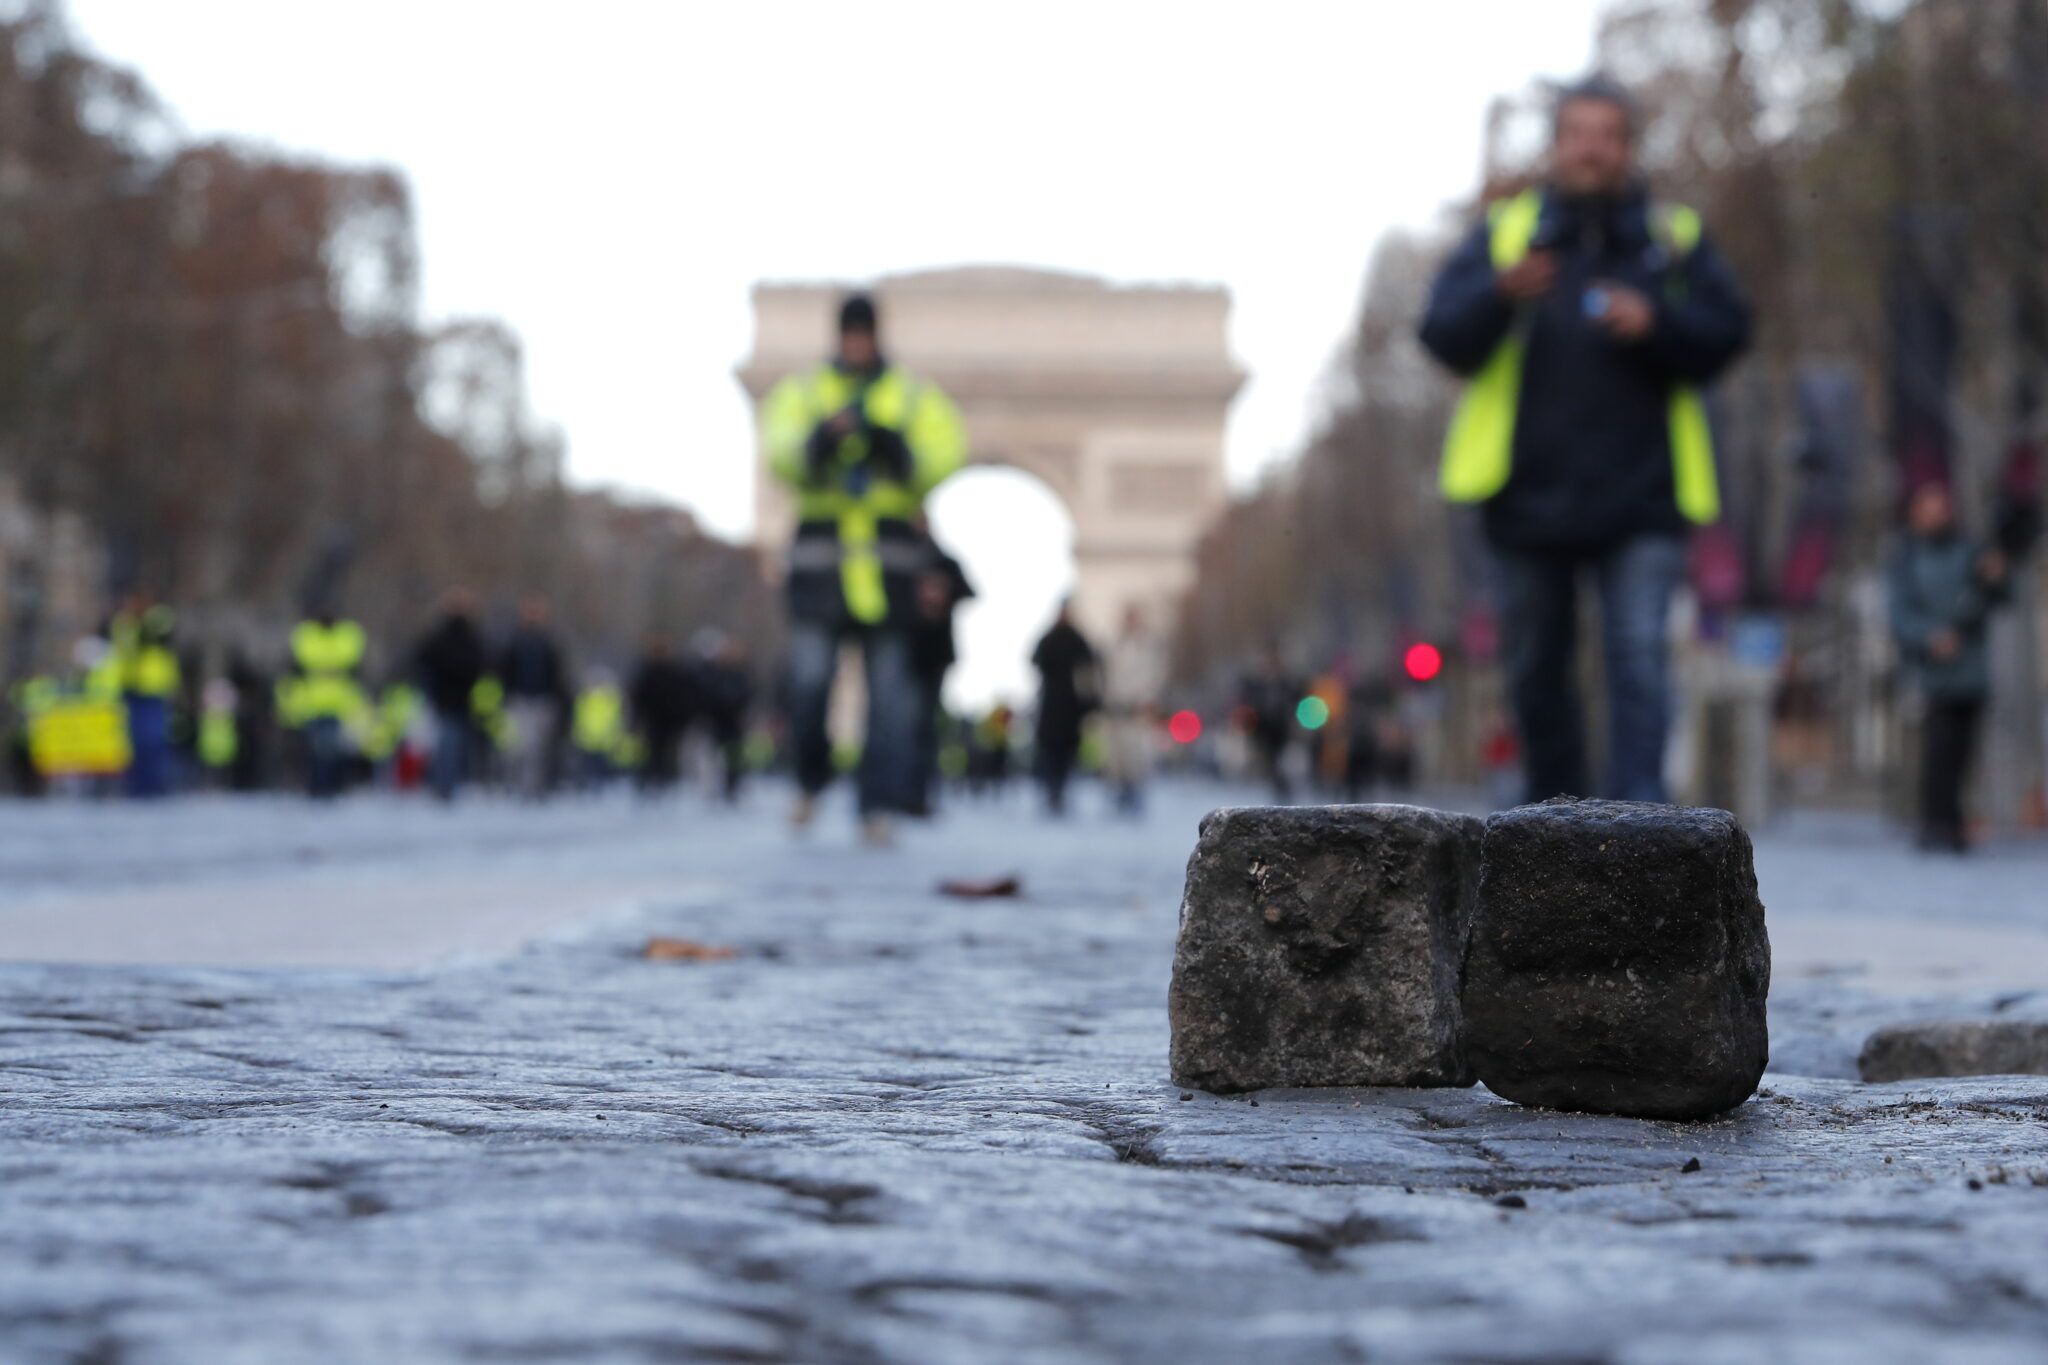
[(982, 888), (688, 950)]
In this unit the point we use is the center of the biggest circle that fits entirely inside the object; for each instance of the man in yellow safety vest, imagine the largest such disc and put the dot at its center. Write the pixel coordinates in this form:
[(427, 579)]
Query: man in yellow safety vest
[(147, 665), (597, 726), (862, 442), (1584, 318), (327, 655)]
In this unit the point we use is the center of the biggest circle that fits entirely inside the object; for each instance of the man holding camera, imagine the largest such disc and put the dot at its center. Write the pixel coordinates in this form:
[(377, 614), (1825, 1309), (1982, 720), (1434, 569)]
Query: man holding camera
[(1584, 317), (862, 442)]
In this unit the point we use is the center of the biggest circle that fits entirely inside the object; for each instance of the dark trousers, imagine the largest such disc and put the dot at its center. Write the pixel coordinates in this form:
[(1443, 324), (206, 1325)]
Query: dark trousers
[(890, 779), (729, 738), (448, 768), (1270, 744), (1056, 759), (1948, 742), (326, 759), (928, 701), (149, 744), (663, 767), (1539, 605)]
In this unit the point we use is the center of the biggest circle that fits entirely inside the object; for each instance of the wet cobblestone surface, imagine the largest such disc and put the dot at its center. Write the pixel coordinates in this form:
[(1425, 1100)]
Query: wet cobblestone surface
[(905, 1128)]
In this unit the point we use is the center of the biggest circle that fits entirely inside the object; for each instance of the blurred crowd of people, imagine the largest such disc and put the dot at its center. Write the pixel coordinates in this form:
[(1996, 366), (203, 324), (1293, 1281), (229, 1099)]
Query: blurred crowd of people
[(1584, 318), (462, 706)]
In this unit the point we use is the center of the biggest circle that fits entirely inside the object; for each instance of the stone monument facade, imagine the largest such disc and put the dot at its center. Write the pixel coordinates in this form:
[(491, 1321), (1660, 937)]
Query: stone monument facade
[(1114, 396)]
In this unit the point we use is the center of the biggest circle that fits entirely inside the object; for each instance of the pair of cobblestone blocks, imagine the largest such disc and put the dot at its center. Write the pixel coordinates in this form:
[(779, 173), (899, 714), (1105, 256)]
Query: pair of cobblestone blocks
[(1591, 955)]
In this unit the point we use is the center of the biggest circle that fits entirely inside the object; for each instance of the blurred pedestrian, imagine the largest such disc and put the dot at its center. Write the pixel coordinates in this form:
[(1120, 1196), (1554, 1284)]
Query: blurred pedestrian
[(450, 663), (1271, 699), (599, 729), (1364, 713), (147, 665), (1500, 758), (862, 442), (941, 587), (255, 725), (1068, 689), (663, 700), (988, 758), (216, 737), (1943, 588), (535, 691), (1133, 677), (1584, 317), (725, 689), (327, 654)]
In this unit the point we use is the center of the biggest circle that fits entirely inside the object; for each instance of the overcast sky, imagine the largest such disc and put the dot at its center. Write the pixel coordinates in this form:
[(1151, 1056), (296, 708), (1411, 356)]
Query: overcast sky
[(611, 176)]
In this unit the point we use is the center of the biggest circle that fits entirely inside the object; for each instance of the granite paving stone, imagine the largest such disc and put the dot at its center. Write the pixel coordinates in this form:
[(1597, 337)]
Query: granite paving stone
[(900, 1127)]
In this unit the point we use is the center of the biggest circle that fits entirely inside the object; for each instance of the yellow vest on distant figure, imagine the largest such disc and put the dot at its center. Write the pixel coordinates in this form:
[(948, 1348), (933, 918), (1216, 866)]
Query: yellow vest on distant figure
[(1479, 451)]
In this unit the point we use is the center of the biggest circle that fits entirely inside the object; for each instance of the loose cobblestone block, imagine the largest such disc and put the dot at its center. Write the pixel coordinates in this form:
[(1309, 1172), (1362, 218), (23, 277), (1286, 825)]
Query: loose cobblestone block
[(1956, 1047), (1619, 961), (1321, 946)]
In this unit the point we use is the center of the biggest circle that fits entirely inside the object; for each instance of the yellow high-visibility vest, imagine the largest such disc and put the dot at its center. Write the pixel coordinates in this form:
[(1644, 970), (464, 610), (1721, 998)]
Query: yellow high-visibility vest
[(147, 664), (327, 657), (1479, 450), (487, 709), (599, 720), (388, 721), (931, 428), (218, 739)]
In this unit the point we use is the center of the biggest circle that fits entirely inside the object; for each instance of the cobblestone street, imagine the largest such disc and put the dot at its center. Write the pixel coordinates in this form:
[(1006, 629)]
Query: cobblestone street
[(900, 1127)]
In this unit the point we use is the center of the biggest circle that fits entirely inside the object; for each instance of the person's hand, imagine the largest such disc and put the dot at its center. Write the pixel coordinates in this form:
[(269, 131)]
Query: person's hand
[(1992, 567), (891, 455), (1530, 278), (1629, 314), (819, 449), (1944, 644)]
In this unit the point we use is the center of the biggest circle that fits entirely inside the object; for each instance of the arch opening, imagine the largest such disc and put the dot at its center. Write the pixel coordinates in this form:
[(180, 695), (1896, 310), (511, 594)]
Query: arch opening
[(1015, 538)]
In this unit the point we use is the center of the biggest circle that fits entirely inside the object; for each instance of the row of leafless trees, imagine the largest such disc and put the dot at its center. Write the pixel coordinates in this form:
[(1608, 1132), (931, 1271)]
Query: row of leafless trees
[(211, 357), (1879, 176)]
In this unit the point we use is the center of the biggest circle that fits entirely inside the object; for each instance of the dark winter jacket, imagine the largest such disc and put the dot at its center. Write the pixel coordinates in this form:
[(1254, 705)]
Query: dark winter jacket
[(1592, 452), (725, 692), (449, 662), (1066, 686), (933, 649), (1272, 699), (531, 666), (1935, 585), (663, 697)]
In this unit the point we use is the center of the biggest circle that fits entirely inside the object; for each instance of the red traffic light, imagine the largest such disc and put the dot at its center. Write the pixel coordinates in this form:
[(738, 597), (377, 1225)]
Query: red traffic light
[(1185, 727), (1423, 661)]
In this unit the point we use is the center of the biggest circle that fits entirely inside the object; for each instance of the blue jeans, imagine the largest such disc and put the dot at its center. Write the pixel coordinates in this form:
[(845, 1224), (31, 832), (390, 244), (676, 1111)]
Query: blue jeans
[(1538, 593), (326, 761), (448, 765), (891, 779), (149, 745)]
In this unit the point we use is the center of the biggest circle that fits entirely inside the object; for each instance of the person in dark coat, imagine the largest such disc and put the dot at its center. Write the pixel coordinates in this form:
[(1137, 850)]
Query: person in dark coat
[(1067, 692), (1615, 310), (941, 588), (536, 696), (1271, 696), (449, 662), (725, 689), (1943, 588), (663, 699)]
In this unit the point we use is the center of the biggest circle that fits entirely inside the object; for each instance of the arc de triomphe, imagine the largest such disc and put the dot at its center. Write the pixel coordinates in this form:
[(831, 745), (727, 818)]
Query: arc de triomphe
[(1114, 396)]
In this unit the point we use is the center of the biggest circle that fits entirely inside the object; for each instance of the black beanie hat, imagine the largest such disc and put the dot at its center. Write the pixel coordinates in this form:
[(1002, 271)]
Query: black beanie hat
[(857, 314)]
